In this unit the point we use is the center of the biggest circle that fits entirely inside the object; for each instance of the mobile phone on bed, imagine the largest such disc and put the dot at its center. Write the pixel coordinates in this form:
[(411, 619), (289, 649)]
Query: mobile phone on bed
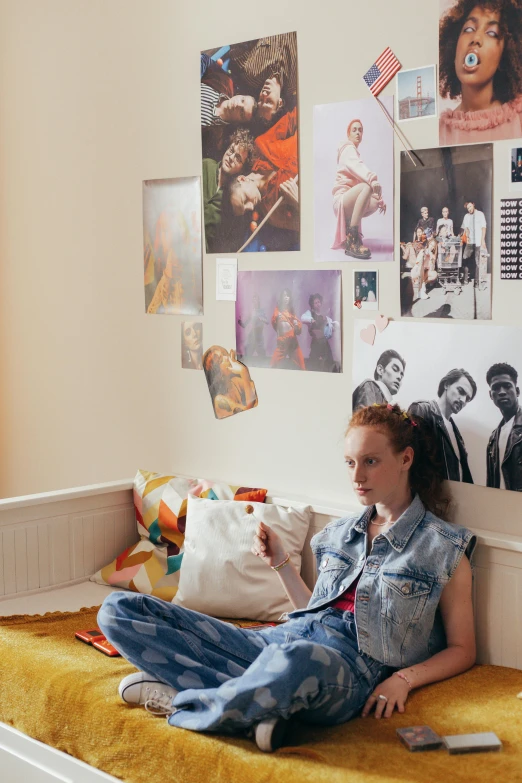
[(105, 647), (472, 743), (89, 636)]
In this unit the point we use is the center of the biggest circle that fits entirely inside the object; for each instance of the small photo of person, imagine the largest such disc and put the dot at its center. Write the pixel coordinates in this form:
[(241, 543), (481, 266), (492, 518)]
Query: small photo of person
[(480, 71), (289, 320), (515, 162), (365, 290), (191, 345), (353, 181), (249, 129), (231, 388), (446, 233), (416, 93)]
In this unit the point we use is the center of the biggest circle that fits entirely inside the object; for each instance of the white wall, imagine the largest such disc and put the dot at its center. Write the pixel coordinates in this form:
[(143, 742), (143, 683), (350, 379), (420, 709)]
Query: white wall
[(95, 96)]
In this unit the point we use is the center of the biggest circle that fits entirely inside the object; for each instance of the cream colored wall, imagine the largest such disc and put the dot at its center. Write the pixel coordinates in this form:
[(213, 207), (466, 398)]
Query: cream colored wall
[(95, 97)]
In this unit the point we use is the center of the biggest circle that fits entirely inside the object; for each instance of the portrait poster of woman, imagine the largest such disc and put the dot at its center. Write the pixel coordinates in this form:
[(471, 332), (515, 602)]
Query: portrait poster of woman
[(353, 181), (249, 131), (480, 70), (289, 320), (172, 249), (191, 345)]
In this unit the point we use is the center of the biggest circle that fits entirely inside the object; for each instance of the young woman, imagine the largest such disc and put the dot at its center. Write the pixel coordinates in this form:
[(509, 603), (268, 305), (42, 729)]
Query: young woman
[(356, 194), (391, 610), (480, 62)]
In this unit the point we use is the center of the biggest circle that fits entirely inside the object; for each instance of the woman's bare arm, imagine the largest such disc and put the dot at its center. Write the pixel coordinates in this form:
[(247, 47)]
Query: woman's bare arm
[(457, 615), (268, 546)]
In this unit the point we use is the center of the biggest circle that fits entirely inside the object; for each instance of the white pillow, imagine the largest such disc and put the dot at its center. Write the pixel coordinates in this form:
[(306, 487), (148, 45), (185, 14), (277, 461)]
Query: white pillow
[(220, 576)]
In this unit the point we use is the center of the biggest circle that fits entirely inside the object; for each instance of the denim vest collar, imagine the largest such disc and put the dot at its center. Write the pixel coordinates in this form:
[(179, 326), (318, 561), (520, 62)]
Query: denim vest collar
[(401, 531)]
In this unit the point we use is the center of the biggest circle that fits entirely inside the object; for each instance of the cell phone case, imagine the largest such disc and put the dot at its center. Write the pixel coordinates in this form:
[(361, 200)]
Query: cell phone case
[(89, 636), (419, 738), (106, 647), (472, 743)]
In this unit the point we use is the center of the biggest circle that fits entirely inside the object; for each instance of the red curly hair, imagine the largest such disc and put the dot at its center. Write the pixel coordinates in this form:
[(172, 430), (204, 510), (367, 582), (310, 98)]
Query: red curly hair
[(403, 430), (507, 82)]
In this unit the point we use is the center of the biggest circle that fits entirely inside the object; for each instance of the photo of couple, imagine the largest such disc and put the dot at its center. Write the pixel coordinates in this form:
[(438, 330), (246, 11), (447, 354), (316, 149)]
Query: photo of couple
[(467, 392), (249, 130)]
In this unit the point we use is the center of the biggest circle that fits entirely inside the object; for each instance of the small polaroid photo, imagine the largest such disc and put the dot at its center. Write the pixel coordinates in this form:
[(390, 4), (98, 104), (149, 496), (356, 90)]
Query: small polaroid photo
[(419, 738), (416, 93), (226, 279), (515, 177), (365, 290)]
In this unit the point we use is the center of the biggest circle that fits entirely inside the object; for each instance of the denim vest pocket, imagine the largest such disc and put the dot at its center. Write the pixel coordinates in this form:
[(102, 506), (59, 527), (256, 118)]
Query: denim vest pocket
[(404, 596), (332, 567)]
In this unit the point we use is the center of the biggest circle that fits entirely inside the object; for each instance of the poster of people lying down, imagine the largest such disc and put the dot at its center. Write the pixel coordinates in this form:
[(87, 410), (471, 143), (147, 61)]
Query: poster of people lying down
[(289, 320), (463, 381), (250, 151), (446, 233)]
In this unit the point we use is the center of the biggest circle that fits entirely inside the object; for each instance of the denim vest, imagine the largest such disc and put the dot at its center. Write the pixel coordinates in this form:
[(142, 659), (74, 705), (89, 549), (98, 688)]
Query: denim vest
[(401, 580)]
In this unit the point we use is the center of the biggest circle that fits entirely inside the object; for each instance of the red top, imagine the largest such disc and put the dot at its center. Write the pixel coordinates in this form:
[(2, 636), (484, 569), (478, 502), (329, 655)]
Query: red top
[(346, 601)]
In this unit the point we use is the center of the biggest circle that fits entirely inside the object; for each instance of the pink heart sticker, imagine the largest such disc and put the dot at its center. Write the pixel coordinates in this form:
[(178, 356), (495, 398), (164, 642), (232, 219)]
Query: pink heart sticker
[(381, 322), (368, 334)]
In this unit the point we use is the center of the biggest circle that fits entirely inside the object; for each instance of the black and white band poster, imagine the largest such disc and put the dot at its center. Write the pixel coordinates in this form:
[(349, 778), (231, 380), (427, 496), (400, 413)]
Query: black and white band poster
[(511, 239)]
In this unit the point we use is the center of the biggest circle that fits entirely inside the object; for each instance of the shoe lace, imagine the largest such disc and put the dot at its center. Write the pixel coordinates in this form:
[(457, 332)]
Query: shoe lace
[(158, 702)]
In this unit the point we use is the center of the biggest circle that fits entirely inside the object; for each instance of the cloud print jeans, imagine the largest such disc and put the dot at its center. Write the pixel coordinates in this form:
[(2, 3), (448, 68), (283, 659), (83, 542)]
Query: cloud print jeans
[(230, 678)]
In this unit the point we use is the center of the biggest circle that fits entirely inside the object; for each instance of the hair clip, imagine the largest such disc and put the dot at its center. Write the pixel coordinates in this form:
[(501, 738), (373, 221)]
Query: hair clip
[(390, 406), (413, 423)]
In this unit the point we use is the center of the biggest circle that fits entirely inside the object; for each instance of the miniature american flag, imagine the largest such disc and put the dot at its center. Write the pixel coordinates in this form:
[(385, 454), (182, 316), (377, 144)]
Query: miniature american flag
[(382, 71)]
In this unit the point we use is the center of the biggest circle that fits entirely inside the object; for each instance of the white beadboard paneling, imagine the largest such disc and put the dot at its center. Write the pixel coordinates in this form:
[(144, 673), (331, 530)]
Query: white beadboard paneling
[(120, 536), (60, 557), (33, 571), (131, 530), (8, 546), (77, 548), (99, 541), (44, 557), (88, 544), (109, 538), (20, 541)]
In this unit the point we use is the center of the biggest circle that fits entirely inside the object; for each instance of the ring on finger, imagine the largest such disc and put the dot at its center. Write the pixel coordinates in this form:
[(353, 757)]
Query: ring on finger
[(382, 697)]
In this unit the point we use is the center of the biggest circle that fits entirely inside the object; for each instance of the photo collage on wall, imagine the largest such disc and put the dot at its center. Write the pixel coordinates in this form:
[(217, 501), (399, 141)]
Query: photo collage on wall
[(250, 198)]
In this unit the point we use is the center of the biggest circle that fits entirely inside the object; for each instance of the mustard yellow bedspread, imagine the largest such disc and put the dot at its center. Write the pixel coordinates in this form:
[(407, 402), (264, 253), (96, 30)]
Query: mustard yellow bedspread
[(64, 693)]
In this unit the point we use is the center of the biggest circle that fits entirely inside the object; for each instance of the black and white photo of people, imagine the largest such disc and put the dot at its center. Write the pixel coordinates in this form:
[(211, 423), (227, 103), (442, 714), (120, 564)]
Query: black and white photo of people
[(446, 231), (463, 381), (249, 122)]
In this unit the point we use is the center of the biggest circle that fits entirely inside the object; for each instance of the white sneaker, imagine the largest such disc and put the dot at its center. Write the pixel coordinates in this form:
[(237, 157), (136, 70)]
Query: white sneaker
[(270, 734), (141, 688)]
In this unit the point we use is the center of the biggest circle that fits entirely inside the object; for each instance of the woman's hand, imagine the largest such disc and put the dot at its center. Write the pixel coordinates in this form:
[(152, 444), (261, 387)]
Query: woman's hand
[(396, 691), (267, 545), (377, 189), (290, 192), (382, 208)]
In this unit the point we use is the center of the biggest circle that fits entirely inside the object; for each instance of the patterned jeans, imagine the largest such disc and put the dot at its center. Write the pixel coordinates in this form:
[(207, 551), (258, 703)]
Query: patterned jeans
[(230, 678)]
